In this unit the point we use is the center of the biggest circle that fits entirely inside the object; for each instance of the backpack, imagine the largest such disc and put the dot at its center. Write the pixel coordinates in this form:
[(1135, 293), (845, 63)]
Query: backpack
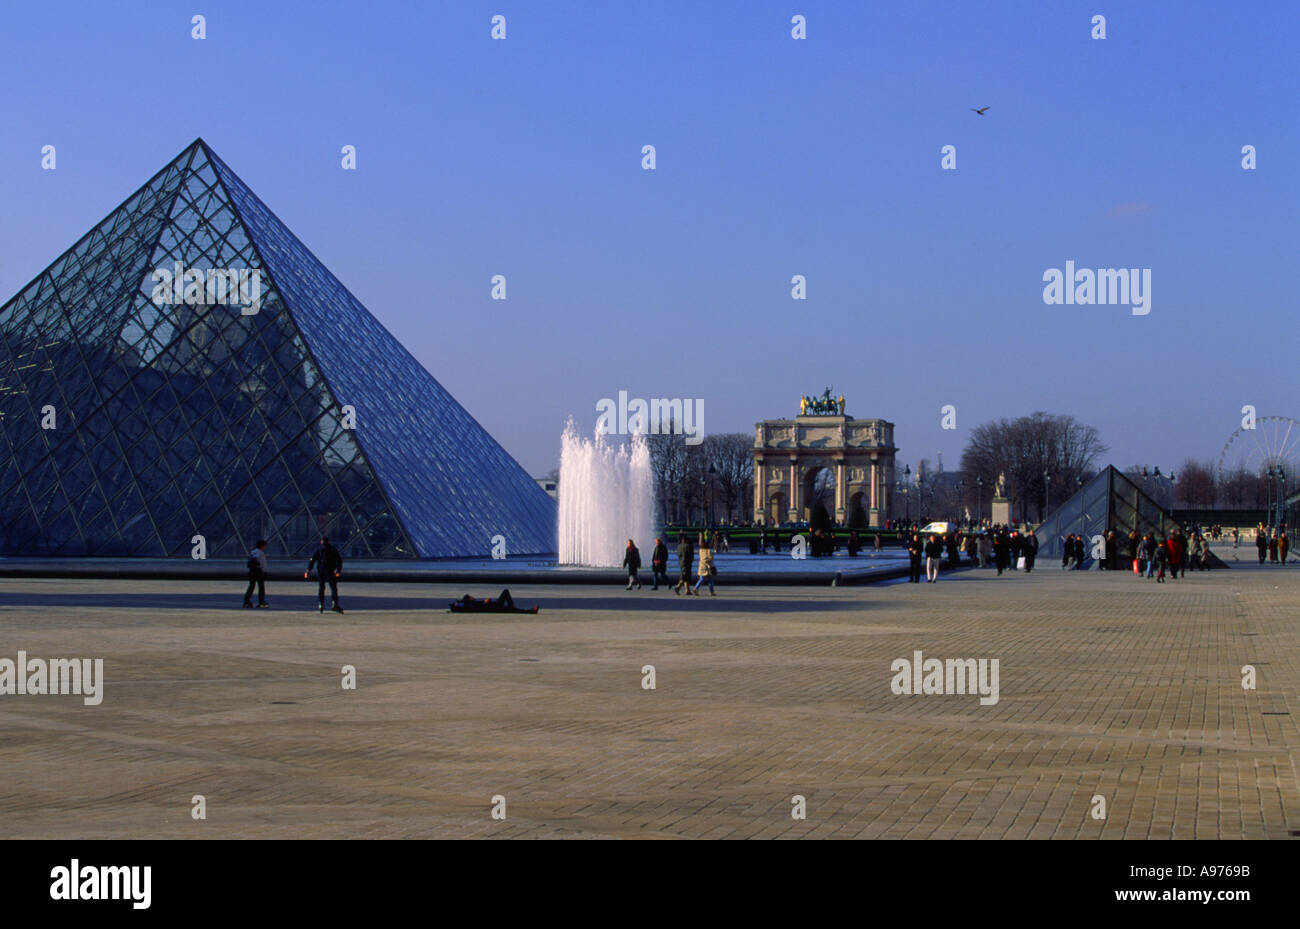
[(253, 562)]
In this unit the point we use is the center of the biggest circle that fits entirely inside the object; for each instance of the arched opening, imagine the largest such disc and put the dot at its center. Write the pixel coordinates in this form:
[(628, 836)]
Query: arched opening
[(857, 511), (776, 509), (819, 497)]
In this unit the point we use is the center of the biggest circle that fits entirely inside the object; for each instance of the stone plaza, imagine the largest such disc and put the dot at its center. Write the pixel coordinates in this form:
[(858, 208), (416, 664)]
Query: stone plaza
[(1110, 686)]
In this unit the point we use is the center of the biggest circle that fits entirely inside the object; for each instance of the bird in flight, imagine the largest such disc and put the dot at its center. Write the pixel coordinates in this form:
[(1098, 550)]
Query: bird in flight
[(980, 111)]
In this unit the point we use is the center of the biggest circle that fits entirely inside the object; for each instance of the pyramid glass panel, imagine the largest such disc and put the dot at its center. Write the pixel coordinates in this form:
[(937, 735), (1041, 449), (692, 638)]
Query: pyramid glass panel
[(199, 360)]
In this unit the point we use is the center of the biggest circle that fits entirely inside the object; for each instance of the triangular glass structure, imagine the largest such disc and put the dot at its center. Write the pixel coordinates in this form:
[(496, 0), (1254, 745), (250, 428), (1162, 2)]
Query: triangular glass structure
[(255, 398), (1110, 500)]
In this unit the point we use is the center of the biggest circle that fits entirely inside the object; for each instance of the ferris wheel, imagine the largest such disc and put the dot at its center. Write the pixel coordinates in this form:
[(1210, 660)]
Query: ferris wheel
[(1273, 443)]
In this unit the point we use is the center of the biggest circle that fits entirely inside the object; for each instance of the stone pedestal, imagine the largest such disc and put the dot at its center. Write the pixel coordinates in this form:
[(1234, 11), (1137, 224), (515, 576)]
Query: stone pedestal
[(1001, 511)]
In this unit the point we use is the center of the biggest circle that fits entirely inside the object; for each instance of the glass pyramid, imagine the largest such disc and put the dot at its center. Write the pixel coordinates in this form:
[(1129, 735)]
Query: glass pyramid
[(1110, 500), (181, 412)]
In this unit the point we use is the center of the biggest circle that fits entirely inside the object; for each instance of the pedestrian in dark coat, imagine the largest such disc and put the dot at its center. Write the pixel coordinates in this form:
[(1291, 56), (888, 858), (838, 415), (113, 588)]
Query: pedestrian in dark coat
[(685, 559), (915, 549), (632, 561), (256, 575), (1030, 548), (330, 564), (659, 564)]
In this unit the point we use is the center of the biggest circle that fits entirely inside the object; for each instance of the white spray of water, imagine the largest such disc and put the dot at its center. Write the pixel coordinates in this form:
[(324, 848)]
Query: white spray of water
[(606, 498)]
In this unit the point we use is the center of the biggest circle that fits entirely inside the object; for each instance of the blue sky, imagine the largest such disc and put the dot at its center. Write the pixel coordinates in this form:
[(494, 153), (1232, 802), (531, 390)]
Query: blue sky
[(775, 157)]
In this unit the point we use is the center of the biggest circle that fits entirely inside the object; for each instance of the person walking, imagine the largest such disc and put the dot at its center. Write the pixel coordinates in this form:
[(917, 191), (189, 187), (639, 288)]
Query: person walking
[(1177, 546), (256, 575), (1162, 558), (329, 565), (632, 561), (1112, 551), (1149, 555), (933, 552), (1272, 546), (685, 559), (1261, 543), (1030, 548), (1236, 544), (706, 568), (1067, 555), (914, 551), (1001, 549), (1283, 546), (984, 549), (659, 564)]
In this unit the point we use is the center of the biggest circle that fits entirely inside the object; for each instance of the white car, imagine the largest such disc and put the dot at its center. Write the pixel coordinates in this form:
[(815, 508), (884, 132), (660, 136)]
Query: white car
[(936, 528)]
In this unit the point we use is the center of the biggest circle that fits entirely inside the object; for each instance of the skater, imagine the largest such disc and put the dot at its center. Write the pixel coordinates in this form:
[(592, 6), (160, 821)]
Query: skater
[(632, 561), (659, 564), (1236, 544), (685, 558), (256, 575), (331, 566)]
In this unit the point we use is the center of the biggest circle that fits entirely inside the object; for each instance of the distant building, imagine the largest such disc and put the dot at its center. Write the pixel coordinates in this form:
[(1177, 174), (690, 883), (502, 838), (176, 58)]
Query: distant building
[(550, 485)]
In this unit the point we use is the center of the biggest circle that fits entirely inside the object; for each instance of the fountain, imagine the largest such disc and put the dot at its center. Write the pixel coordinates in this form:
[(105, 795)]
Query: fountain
[(606, 498)]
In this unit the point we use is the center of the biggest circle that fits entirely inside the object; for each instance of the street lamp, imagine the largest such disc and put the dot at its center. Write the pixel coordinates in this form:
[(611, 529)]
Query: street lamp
[(907, 483), (712, 471), (961, 499), (979, 499), (1281, 497), (1270, 495), (1047, 493)]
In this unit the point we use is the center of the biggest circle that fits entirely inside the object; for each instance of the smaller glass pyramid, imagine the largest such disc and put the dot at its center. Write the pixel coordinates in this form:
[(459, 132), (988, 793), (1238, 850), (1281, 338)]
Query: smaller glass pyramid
[(1110, 500)]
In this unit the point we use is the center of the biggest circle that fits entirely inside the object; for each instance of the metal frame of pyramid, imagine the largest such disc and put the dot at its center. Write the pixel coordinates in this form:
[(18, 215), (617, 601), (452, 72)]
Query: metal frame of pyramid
[(177, 420)]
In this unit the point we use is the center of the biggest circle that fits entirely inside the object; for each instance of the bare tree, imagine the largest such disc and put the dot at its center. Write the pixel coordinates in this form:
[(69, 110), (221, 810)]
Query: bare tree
[(1042, 455), (1195, 485), (692, 482)]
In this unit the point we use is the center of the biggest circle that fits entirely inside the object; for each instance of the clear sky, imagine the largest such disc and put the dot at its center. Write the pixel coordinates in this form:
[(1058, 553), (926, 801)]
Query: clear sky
[(775, 157)]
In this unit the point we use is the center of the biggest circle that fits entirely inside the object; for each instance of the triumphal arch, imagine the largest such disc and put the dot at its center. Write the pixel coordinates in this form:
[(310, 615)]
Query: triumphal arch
[(789, 454)]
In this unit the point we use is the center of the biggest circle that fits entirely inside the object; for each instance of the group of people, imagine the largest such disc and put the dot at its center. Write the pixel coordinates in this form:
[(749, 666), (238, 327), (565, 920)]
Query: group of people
[(1272, 543), (1001, 546), (326, 556), (1155, 554), (685, 562)]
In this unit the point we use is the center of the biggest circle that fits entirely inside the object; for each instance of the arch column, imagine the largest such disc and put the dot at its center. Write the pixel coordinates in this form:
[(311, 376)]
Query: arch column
[(795, 510), (873, 515), (760, 491), (841, 493)]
